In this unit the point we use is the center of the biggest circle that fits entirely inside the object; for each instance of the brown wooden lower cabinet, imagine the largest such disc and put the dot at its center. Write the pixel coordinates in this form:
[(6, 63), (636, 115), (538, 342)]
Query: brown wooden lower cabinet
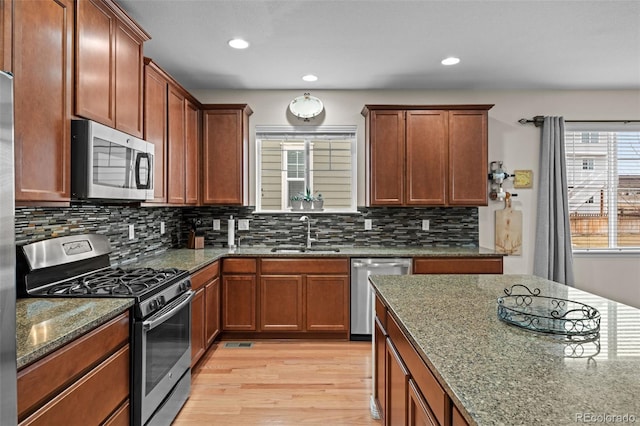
[(239, 299), (87, 381), (380, 350), (281, 303), (198, 340), (418, 409), (457, 419), (205, 310), (212, 310), (327, 303), (457, 265), (397, 381)]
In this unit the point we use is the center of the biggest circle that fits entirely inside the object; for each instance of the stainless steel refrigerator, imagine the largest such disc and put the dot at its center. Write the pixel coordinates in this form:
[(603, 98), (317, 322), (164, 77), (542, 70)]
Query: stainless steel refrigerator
[(8, 399)]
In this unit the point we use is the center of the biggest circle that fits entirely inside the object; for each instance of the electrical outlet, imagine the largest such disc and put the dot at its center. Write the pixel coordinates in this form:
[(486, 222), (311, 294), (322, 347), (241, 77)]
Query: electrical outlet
[(425, 224), (132, 232), (216, 224), (162, 228), (243, 225), (367, 224)]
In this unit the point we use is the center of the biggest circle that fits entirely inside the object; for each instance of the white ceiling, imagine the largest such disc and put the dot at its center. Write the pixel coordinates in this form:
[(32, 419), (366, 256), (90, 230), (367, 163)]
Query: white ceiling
[(395, 44)]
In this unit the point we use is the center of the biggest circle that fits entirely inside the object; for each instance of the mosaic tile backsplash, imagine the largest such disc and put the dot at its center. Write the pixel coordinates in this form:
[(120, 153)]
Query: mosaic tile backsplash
[(392, 227), (36, 223)]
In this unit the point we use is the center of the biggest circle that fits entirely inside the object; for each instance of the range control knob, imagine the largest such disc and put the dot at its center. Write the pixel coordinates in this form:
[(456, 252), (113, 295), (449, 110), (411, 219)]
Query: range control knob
[(161, 301), (153, 305)]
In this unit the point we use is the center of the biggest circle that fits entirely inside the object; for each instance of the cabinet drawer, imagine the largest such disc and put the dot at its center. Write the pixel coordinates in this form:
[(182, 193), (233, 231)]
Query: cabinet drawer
[(433, 393), (381, 311), (90, 400), (120, 417), (458, 265), (239, 266), (205, 275), (304, 266), (45, 378)]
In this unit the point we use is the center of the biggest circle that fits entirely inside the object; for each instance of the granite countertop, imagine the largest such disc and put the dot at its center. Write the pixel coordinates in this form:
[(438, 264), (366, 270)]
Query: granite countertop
[(192, 260), (498, 374), (44, 325)]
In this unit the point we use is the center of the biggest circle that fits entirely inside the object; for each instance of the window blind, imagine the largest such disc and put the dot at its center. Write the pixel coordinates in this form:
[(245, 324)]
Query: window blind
[(603, 174)]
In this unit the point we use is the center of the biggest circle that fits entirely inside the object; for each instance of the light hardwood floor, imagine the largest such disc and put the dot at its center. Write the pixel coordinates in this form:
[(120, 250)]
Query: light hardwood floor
[(282, 383)]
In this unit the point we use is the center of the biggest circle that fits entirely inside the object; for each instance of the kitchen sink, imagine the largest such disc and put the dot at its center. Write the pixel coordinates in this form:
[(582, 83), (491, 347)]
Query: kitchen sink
[(298, 249)]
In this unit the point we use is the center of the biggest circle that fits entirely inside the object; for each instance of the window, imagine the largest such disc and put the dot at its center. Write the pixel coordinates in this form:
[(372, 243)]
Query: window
[(290, 160), (604, 186)]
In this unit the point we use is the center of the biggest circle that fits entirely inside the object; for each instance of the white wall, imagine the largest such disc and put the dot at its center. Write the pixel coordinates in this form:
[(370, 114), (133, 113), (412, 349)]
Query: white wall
[(515, 144)]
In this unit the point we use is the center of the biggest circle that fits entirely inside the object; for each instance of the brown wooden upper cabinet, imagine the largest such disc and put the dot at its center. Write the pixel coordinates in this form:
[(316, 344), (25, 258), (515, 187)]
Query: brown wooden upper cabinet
[(426, 155), (43, 69), (172, 124), (109, 66), (155, 125), (225, 154)]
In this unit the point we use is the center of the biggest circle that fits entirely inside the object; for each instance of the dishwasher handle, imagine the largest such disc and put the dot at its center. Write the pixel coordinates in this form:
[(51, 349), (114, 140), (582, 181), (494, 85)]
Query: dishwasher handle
[(381, 265)]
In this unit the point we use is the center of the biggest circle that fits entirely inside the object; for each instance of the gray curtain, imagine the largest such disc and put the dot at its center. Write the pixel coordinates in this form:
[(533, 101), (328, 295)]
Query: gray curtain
[(553, 258)]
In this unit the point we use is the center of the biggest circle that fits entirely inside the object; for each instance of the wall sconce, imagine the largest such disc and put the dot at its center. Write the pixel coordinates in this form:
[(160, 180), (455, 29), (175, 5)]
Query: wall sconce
[(497, 175)]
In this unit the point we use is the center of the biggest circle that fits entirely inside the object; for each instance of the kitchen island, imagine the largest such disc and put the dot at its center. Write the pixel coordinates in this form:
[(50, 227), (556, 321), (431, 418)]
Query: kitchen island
[(496, 374)]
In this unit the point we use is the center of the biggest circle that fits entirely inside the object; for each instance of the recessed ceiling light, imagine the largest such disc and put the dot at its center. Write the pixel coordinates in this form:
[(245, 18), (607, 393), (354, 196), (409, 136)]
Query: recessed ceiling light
[(450, 61), (238, 43), (310, 77)]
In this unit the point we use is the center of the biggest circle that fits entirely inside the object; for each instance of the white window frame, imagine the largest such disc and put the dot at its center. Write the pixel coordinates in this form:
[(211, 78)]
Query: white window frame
[(308, 159), (612, 198), (297, 133)]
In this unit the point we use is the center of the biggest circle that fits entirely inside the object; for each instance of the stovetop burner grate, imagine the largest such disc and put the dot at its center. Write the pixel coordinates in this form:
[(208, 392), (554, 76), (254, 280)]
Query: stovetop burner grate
[(115, 282)]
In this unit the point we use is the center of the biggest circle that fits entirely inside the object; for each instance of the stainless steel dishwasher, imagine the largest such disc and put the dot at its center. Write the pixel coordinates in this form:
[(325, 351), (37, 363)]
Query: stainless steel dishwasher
[(362, 311)]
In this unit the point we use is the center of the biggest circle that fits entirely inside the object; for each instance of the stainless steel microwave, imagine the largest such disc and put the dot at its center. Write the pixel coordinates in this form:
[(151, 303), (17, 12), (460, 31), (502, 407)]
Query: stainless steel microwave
[(107, 164)]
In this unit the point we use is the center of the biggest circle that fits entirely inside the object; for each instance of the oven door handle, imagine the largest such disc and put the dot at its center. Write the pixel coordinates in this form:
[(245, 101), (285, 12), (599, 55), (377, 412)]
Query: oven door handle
[(171, 309)]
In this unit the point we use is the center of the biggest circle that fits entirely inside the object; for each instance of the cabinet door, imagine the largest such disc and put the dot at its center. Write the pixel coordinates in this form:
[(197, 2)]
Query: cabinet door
[(239, 303), (5, 34), (192, 136), (223, 157), (417, 410), (155, 128), (281, 303), (379, 376), (397, 381), (457, 265), (212, 310), (176, 144), (198, 341), (387, 157), (327, 303), (468, 158), (43, 36), (95, 64), (426, 158), (128, 81)]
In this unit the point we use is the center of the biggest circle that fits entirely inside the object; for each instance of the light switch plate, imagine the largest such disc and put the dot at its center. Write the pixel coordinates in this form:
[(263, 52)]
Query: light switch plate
[(216, 224), (132, 232), (162, 228), (425, 224), (367, 224), (243, 225)]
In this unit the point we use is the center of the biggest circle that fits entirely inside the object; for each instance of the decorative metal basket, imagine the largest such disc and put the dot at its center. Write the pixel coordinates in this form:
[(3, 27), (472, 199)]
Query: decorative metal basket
[(550, 315)]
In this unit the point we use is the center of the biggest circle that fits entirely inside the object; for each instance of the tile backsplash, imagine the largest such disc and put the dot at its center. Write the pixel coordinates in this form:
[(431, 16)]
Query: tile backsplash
[(391, 227), (38, 223)]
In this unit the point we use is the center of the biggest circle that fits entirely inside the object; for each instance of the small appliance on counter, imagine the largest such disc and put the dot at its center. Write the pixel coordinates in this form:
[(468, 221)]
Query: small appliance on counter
[(79, 266)]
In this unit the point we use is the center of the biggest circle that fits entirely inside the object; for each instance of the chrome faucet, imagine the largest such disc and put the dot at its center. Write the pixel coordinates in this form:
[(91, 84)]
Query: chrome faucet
[(309, 239)]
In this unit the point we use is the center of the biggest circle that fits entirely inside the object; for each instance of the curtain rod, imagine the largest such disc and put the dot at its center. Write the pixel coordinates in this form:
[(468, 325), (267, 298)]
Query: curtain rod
[(539, 119)]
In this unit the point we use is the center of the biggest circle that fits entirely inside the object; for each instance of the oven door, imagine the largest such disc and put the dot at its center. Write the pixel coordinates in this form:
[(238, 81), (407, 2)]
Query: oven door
[(162, 358)]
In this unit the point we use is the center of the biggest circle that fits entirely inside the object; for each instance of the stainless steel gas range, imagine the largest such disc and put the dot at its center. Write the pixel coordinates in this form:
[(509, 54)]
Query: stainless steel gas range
[(78, 266)]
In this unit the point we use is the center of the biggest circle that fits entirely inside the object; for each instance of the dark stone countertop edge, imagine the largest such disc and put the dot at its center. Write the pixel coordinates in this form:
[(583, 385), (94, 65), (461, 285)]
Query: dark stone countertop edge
[(30, 356), (194, 260)]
